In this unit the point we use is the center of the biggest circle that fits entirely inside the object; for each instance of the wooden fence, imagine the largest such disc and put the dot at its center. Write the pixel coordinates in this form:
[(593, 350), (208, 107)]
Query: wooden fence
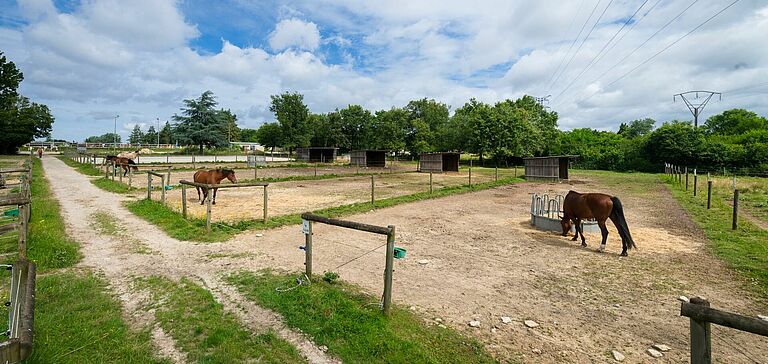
[(702, 316), (22, 291), (209, 199), (389, 231), (681, 176)]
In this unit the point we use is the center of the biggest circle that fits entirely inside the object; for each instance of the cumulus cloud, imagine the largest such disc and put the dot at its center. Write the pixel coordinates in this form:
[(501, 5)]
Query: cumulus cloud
[(295, 33), (140, 59)]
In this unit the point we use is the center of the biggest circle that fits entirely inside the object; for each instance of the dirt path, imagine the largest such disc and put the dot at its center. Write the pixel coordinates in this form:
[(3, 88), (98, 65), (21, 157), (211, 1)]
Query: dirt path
[(144, 250)]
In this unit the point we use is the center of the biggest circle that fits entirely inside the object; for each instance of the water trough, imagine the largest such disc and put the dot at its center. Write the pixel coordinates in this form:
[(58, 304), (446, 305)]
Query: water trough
[(547, 211)]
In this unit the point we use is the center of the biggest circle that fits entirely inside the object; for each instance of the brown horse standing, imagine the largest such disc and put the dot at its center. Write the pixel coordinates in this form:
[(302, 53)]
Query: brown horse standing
[(598, 206), (123, 162), (212, 177)]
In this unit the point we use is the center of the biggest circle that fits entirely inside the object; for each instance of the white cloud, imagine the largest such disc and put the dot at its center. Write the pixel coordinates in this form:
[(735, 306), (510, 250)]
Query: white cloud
[(136, 59), (295, 33)]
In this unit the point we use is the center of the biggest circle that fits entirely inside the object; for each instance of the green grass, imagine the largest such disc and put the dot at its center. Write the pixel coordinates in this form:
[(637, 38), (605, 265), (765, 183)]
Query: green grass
[(84, 168), (744, 249), (208, 333), (342, 318), (179, 228), (48, 244), (115, 186), (77, 321)]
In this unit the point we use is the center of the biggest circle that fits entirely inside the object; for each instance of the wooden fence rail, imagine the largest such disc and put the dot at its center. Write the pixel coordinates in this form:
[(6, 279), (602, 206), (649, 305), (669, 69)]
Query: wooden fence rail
[(702, 316), (389, 231), (209, 199)]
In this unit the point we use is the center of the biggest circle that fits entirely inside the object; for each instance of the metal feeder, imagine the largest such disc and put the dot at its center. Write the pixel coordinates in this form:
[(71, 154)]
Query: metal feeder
[(399, 253)]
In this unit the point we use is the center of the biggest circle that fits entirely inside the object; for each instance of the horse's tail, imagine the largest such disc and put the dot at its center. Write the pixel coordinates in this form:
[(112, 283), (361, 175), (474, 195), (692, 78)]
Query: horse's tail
[(617, 216), (133, 165)]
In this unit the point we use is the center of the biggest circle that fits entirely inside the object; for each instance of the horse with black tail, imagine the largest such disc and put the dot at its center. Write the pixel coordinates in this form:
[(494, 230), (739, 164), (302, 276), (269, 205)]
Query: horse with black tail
[(598, 206), (125, 163)]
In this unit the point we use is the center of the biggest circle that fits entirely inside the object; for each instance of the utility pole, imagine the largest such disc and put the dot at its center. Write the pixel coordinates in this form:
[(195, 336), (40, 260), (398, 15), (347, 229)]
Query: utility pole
[(542, 100), (695, 107), (114, 136)]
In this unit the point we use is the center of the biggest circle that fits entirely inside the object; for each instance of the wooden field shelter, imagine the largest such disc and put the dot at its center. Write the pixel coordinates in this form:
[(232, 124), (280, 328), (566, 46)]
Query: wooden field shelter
[(439, 162), (316, 154), (368, 158), (551, 168)]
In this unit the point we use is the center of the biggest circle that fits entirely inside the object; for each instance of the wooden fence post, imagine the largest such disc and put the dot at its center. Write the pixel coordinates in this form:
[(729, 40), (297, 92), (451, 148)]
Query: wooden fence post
[(735, 208), (114, 170), (496, 173), (388, 269), (430, 183), (372, 191), (308, 250), (709, 194), (162, 189), (255, 172), (266, 201), (695, 183), (23, 230), (686, 178), (315, 169), (208, 201), (168, 179), (515, 170), (120, 178), (193, 161), (149, 186), (184, 200), (701, 337)]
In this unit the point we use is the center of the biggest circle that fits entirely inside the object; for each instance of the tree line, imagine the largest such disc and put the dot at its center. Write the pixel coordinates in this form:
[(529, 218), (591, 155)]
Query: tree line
[(500, 132)]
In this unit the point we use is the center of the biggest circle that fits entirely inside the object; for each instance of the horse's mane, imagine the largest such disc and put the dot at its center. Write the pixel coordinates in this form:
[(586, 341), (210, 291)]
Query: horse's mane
[(225, 171)]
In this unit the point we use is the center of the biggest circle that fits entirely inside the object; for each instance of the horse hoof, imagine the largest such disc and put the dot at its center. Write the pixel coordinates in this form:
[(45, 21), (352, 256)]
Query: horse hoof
[(213, 203), (584, 245), (624, 254), (574, 239)]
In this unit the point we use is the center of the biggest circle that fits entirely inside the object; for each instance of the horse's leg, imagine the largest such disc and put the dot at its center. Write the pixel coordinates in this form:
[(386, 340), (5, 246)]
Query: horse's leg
[(575, 229), (214, 196), (205, 195), (198, 192), (604, 231)]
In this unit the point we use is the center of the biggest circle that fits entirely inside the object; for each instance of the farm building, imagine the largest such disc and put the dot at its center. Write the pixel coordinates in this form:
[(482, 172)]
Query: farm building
[(316, 154), (552, 168), (439, 162), (368, 158)]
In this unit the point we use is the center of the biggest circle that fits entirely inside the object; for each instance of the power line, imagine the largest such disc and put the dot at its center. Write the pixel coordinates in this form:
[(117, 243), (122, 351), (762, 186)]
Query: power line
[(673, 43), (745, 88), (586, 37), (665, 48), (575, 39), (602, 49), (642, 44), (573, 20)]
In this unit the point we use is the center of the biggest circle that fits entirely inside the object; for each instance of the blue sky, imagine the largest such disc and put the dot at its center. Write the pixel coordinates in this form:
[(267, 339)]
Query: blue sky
[(91, 60)]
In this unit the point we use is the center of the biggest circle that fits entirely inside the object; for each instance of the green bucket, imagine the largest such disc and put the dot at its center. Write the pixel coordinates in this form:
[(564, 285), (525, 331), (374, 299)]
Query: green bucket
[(13, 212), (399, 253)]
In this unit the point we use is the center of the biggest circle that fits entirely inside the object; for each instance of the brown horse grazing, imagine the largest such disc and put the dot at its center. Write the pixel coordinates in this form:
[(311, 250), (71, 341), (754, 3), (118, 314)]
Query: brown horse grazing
[(122, 162), (212, 177), (598, 206)]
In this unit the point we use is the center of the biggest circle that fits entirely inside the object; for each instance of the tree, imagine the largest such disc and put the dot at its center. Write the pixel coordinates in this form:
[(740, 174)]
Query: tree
[(356, 125), (200, 123), (636, 128), (150, 137), (20, 119), (249, 135), (734, 122), (390, 129), (136, 136), (293, 117), (427, 119), (269, 135), (675, 142), (104, 138), (233, 132), (326, 130), (165, 134)]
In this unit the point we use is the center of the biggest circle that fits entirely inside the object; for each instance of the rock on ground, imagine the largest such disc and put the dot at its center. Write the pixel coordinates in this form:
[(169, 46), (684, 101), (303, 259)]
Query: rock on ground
[(654, 353), (617, 355), (531, 323)]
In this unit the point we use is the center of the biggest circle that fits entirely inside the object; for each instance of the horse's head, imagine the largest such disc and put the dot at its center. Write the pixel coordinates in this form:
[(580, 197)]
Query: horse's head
[(566, 224), (229, 174)]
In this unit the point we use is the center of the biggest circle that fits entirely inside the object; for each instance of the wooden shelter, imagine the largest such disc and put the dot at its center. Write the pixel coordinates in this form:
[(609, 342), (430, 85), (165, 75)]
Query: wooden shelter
[(552, 168), (368, 158), (316, 154), (439, 162)]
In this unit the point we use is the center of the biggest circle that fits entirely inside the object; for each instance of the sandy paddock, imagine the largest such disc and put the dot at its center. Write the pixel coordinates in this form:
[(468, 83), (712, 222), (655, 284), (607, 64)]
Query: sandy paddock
[(484, 261), (291, 197)]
